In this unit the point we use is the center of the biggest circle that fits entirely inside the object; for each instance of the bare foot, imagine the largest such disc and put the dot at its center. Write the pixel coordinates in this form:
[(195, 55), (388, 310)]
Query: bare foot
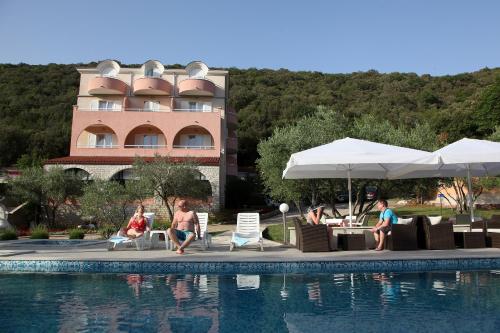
[(180, 251), (378, 249)]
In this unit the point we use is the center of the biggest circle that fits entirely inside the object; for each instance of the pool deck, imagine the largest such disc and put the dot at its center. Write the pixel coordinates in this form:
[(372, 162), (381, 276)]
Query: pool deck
[(219, 252)]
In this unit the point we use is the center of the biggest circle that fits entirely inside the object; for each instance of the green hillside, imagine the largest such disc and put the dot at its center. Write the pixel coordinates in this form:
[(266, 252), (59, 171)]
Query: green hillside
[(36, 104)]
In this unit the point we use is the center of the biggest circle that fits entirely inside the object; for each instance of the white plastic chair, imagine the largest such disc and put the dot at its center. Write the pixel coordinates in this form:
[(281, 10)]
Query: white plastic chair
[(247, 230), (141, 243), (206, 238)]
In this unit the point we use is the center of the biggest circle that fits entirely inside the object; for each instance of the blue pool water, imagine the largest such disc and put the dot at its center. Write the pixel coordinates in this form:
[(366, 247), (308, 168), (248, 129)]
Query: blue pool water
[(467, 301)]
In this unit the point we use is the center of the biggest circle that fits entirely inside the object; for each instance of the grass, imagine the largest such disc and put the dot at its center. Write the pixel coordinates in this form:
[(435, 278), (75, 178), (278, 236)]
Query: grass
[(275, 232), (8, 234)]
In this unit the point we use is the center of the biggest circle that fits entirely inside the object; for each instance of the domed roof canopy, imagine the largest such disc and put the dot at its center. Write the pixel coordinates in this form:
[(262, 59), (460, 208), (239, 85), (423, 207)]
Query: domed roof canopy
[(108, 68), (197, 69), (152, 68)]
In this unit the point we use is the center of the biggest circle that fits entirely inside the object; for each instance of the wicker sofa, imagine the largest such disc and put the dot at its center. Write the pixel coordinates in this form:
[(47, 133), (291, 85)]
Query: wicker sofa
[(434, 237), (403, 237), (311, 238)]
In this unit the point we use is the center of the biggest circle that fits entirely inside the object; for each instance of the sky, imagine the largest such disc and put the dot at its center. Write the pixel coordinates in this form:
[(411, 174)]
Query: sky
[(436, 37)]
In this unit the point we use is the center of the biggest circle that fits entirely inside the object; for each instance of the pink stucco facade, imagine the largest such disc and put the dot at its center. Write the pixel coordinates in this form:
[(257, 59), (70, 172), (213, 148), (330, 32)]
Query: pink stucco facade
[(124, 122), (126, 112)]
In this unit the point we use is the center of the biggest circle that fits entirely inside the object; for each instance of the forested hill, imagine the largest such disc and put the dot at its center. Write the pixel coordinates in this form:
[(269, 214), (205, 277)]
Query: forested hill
[(36, 104)]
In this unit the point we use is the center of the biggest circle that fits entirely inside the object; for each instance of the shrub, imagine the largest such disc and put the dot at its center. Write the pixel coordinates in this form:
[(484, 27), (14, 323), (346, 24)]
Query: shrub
[(107, 230), (40, 232), (161, 225), (8, 234), (76, 234)]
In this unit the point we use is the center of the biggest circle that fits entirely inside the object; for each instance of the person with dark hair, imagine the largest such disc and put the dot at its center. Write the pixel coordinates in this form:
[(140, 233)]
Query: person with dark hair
[(386, 220), (314, 215)]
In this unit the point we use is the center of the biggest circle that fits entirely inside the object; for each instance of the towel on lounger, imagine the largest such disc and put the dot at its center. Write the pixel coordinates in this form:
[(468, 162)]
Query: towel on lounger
[(118, 239), (239, 241)]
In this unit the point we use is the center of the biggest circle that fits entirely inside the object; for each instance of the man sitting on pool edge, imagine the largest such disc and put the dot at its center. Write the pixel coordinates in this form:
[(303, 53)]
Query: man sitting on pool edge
[(384, 225), (183, 225)]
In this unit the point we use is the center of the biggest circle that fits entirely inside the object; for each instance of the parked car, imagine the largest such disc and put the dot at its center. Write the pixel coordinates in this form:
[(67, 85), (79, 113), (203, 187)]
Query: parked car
[(344, 196), (371, 192)]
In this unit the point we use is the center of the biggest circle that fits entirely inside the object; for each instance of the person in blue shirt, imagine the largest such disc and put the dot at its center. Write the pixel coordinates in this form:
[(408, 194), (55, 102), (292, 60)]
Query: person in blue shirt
[(386, 220)]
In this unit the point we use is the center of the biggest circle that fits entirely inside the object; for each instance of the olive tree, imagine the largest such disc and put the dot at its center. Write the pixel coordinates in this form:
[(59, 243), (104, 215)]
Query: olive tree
[(45, 190), (321, 128), (107, 203), (171, 179)]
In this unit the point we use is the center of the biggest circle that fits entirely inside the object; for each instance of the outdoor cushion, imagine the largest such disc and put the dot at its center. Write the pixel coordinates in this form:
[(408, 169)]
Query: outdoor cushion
[(435, 219), (404, 221)]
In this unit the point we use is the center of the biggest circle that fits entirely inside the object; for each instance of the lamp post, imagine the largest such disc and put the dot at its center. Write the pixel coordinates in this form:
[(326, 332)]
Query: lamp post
[(284, 209)]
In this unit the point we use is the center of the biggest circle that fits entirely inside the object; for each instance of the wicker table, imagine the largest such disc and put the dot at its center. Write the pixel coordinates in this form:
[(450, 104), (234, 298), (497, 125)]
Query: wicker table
[(469, 240), (352, 242)]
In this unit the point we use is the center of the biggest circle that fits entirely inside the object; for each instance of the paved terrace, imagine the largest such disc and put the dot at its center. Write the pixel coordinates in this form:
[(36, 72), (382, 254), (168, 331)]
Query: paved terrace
[(219, 252)]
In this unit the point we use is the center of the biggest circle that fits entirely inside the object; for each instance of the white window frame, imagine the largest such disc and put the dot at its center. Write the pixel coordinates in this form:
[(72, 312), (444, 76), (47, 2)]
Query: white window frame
[(104, 140), (150, 140), (152, 106)]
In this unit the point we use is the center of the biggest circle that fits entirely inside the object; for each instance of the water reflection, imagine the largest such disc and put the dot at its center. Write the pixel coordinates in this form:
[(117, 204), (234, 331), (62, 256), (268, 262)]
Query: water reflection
[(457, 301)]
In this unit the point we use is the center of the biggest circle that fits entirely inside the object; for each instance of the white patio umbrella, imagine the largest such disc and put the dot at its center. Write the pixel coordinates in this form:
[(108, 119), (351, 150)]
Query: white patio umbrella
[(464, 158), (353, 158)]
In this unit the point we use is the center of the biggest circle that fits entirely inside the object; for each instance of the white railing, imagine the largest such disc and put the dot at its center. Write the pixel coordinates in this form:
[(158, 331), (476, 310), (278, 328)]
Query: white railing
[(193, 147), (146, 110), (146, 146), (97, 146), (193, 110), (125, 109), (105, 110)]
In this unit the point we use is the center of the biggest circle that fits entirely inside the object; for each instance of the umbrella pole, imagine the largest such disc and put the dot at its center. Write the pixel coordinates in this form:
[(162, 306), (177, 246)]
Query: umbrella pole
[(350, 196), (469, 194)]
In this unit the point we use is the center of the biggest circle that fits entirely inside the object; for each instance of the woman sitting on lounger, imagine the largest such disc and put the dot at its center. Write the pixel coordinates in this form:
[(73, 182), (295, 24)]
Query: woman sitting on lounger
[(137, 224), (314, 215)]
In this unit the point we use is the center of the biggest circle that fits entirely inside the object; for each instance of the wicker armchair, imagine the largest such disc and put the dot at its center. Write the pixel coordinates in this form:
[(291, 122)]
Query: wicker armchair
[(493, 232), (439, 236), (403, 237), (311, 238)]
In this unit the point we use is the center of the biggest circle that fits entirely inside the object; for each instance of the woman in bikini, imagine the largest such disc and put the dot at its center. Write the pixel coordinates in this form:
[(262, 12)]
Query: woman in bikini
[(137, 224)]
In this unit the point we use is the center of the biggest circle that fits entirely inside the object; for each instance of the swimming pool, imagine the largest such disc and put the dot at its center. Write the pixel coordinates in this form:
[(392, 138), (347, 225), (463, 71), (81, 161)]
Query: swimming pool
[(439, 301)]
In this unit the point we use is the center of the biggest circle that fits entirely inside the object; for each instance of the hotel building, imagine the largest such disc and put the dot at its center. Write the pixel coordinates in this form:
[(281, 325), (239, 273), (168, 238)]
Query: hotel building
[(126, 112)]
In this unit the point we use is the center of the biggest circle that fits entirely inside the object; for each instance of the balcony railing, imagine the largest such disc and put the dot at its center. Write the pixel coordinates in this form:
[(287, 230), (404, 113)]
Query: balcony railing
[(124, 109), (97, 146), (146, 146), (194, 110), (193, 147)]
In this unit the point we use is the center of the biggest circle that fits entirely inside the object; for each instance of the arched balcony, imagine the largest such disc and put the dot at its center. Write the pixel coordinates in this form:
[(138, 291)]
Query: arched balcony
[(152, 86), (102, 85), (146, 137), (193, 137), (97, 136), (196, 87)]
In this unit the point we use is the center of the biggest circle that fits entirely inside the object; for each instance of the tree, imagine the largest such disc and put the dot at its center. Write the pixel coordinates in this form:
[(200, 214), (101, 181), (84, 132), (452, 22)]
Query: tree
[(171, 179), (321, 128), (325, 126), (46, 190), (107, 203)]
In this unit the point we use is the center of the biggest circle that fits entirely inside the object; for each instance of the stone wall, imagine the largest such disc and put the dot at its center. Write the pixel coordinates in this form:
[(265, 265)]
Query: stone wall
[(211, 173)]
